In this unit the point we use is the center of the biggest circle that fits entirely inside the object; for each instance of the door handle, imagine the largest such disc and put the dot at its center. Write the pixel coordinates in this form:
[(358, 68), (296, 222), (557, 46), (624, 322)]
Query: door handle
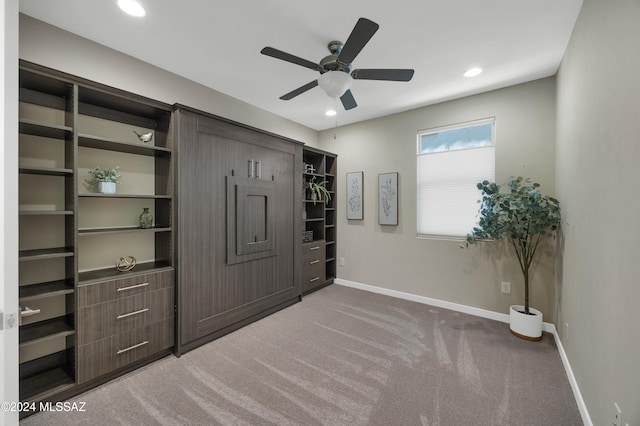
[(251, 166)]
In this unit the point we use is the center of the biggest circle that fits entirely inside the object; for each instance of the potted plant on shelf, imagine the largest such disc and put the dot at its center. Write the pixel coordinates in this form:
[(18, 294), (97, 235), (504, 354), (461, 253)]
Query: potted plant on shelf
[(318, 190), (105, 178), (522, 216)]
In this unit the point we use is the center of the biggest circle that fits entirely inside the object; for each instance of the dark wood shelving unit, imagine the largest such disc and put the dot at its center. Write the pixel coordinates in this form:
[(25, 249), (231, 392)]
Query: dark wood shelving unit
[(55, 108), (39, 92), (320, 216)]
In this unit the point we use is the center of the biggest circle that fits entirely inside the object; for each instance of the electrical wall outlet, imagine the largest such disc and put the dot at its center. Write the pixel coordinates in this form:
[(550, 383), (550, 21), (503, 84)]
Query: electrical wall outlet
[(506, 287), (341, 261), (617, 415)]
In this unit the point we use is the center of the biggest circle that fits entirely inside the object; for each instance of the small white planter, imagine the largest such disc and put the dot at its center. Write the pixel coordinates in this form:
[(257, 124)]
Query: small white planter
[(107, 187), (525, 326)]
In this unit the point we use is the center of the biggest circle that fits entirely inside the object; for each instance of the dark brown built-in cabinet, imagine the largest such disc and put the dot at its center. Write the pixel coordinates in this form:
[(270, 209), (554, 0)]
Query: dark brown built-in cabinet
[(239, 240), (319, 253), (82, 321)]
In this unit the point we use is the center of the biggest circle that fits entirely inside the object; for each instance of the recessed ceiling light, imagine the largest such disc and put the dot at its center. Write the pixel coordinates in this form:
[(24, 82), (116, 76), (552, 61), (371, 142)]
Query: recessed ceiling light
[(473, 72), (132, 7), (330, 112)]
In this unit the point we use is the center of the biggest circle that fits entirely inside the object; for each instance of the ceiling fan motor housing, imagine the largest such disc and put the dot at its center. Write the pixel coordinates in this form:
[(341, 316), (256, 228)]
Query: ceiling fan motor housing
[(331, 63)]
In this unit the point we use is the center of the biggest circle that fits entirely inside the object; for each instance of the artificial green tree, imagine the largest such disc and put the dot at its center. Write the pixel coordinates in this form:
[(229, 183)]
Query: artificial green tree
[(520, 214)]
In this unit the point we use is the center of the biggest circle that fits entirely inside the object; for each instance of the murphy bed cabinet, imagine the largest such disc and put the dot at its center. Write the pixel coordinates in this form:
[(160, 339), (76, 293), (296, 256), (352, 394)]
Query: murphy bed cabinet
[(239, 240), (82, 321), (319, 217)]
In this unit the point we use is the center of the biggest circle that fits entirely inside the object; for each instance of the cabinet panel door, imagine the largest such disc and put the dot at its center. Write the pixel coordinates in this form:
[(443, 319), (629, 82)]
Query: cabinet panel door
[(227, 275)]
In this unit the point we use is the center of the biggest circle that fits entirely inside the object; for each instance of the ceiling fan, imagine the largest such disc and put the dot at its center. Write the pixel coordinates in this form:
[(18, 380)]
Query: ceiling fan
[(335, 71)]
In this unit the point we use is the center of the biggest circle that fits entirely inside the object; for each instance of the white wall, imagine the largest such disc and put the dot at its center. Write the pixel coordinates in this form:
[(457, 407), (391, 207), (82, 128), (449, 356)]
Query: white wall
[(392, 257), (9, 205), (598, 152), (52, 47)]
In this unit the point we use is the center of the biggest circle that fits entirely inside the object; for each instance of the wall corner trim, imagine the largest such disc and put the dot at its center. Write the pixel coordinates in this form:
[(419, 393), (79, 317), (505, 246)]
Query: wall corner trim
[(483, 313)]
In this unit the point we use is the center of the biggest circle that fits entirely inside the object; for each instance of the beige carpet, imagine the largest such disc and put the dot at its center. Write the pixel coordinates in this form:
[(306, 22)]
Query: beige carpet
[(345, 357)]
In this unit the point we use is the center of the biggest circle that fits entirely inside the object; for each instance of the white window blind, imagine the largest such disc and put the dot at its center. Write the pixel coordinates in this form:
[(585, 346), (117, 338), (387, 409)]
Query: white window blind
[(447, 196)]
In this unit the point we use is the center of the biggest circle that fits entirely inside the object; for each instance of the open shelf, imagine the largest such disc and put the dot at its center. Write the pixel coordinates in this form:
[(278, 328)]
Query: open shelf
[(50, 253), (31, 292), (45, 212), (44, 330), (99, 142), (42, 385), (45, 171), (139, 196), (106, 231), (89, 277), (35, 128), (43, 377)]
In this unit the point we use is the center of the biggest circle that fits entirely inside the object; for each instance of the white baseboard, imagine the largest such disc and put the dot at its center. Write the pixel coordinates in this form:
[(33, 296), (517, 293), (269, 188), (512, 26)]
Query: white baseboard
[(582, 407), (483, 313)]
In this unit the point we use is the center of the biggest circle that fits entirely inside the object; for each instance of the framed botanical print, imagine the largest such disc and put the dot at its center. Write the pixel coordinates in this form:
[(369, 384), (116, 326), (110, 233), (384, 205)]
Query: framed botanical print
[(355, 201), (388, 198)]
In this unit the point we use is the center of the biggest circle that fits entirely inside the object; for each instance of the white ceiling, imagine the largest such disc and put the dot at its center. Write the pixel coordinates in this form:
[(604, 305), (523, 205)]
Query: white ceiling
[(217, 43)]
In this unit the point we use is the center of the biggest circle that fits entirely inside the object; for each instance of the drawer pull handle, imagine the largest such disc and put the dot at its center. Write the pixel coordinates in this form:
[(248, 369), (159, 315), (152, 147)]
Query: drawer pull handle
[(121, 351), (314, 248), (132, 313), (313, 262), (314, 279), (131, 287), (27, 311)]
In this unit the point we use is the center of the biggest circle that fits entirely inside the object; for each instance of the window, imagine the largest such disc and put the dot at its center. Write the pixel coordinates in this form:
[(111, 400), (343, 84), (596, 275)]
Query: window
[(451, 161)]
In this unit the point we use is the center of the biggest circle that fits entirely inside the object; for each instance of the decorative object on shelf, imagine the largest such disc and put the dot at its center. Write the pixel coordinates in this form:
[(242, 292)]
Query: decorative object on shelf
[(388, 198), (105, 178), (308, 168), (125, 263), (318, 190), (355, 202), (144, 137), (146, 218), (307, 236), (523, 216)]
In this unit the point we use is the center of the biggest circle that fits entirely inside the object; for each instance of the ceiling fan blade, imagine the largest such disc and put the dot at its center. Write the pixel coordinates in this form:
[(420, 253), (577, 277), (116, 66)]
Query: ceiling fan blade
[(383, 74), (360, 36), (299, 90), (348, 102), (279, 54)]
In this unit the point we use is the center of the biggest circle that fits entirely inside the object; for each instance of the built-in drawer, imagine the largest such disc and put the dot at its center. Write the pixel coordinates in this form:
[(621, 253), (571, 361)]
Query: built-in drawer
[(313, 266), (106, 319), (314, 247), (105, 355), (121, 288)]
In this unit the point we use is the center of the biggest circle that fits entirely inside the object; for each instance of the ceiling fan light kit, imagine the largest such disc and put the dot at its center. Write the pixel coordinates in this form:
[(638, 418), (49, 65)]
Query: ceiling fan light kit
[(335, 83), (336, 76)]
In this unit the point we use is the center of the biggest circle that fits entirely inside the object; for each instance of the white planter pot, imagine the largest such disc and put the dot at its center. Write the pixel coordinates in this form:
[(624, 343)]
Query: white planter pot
[(525, 326), (107, 187)]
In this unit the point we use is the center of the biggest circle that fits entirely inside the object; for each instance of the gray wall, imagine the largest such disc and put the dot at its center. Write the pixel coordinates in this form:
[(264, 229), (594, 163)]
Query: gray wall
[(598, 151), (50, 46), (392, 257)]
